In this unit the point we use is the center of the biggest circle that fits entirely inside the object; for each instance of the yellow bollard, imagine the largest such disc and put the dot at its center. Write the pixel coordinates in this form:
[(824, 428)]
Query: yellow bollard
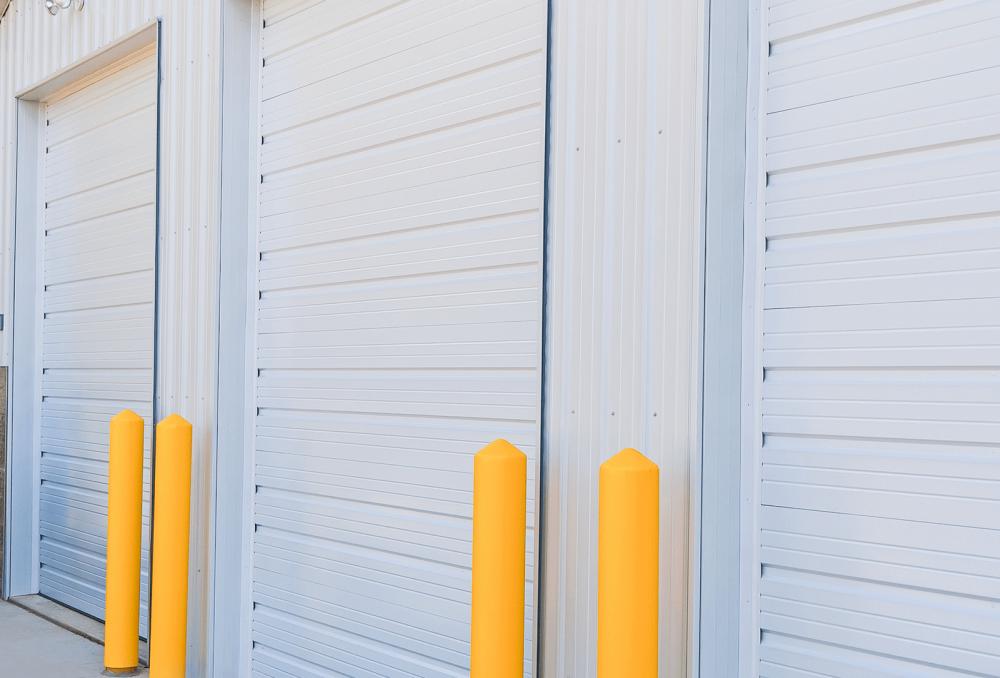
[(121, 593), (171, 526), (498, 534), (628, 567)]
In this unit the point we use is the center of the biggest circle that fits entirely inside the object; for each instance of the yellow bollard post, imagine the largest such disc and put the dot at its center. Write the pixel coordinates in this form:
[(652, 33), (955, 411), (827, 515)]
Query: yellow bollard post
[(628, 566), (498, 534), (121, 593), (171, 526)]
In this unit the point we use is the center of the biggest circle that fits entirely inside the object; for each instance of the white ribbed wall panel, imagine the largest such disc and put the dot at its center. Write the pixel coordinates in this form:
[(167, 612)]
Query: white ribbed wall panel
[(33, 46), (877, 448), (398, 321), (623, 273), (98, 291)]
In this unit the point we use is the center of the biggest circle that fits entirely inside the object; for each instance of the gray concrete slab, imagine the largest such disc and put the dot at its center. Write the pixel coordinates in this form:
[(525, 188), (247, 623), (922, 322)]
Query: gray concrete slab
[(72, 620), (33, 647)]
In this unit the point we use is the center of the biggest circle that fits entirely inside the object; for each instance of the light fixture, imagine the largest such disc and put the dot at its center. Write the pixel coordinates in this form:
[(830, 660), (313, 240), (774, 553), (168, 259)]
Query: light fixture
[(55, 5)]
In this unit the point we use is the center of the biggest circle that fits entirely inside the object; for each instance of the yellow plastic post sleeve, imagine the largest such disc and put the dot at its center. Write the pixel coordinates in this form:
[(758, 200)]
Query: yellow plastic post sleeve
[(498, 536), (121, 597), (171, 526), (628, 567)]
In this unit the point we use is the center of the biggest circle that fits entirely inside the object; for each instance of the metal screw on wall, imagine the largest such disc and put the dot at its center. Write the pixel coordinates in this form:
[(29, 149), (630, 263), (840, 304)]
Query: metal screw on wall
[(55, 5)]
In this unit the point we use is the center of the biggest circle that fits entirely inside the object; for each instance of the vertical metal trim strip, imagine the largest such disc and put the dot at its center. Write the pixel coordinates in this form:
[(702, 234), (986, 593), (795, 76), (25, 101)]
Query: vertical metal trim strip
[(8, 350), (698, 553), (155, 409), (539, 599), (752, 371), (718, 603), (230, 579)]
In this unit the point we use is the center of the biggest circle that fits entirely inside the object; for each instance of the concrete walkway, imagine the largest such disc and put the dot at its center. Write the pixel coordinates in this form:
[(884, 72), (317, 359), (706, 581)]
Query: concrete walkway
[(32, 646)]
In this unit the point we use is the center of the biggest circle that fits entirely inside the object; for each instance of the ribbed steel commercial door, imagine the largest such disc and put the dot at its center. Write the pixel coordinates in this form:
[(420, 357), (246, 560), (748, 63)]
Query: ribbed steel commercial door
[(398, 321), (98, 257), (878, 439)]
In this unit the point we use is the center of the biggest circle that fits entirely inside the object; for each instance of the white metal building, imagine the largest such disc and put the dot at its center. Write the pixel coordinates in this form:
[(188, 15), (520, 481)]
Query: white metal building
[(352, 241)]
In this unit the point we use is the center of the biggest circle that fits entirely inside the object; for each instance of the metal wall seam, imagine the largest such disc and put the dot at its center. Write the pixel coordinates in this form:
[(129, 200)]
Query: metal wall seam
[(623, 322), (36, 45)]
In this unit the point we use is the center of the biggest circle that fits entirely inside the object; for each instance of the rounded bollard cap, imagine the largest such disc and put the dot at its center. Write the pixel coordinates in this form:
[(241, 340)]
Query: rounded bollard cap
[(629, 460), (174, 421), (126, 416), (499, 449)]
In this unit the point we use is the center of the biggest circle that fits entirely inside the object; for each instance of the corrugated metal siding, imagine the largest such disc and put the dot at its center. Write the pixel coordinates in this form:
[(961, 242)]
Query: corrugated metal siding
[(34, 45), (880, 473), (623, 285), (98, 259), (398, 321)]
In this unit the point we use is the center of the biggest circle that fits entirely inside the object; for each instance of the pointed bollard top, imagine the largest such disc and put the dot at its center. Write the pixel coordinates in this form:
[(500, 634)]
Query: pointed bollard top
[(174, 421), (629, 460), (628, 566), (126, 416), (498, 546), (500, 449)]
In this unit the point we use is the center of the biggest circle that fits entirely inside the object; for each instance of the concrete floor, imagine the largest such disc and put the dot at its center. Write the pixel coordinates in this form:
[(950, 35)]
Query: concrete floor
[(33, 647)]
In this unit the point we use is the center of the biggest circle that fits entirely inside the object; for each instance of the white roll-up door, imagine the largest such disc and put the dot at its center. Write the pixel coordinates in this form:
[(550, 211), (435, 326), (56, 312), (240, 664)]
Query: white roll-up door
[(98, 260), (398, 321), (879, 456)]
